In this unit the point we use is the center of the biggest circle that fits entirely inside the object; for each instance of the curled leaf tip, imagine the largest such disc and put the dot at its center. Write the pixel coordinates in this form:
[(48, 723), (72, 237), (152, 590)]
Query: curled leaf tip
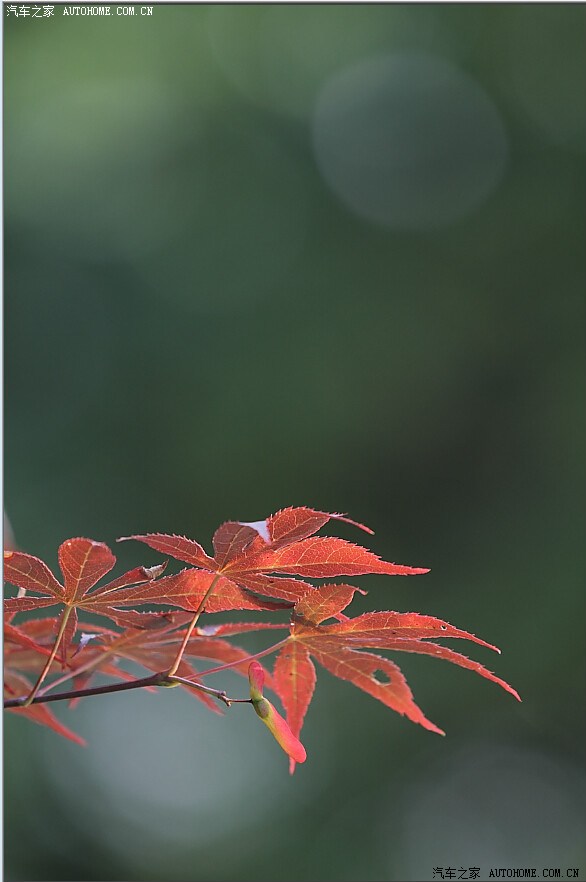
[(261, 528), (154, 572), (344, 517)]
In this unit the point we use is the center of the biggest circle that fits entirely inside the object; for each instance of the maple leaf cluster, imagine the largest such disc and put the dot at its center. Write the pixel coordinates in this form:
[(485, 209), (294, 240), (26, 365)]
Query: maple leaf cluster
[(259, 566)]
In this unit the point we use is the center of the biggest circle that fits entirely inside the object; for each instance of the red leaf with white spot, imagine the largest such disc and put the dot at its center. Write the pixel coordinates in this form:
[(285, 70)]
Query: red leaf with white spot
[(393, 626), (257, 566), (293, 524), (253, 555), (231, 540), (360, 668)]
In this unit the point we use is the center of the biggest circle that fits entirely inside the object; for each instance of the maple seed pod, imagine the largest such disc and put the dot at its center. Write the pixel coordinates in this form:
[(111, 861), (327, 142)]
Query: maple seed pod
[(256, 678), (272, 719), (262, 708)]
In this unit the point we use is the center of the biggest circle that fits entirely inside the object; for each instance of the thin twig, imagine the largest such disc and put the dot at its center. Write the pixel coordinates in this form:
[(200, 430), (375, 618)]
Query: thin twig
[(99, 659), (240, 661), (216, 693), (69, 675), (160, 679)]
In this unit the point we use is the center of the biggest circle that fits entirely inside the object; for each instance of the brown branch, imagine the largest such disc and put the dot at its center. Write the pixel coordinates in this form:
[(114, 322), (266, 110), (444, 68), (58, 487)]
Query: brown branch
[(161, 679)]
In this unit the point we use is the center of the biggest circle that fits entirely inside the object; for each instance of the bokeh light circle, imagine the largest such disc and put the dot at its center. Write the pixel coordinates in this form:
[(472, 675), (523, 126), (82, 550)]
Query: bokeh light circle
[(408, 141)]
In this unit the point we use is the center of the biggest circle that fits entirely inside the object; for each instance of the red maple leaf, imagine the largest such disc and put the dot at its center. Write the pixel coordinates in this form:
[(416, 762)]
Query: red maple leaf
[(17, 639), (262, 565), (156, 648), (338, 648), (251, 559), (101, 651), (16, 684), (83, 562)]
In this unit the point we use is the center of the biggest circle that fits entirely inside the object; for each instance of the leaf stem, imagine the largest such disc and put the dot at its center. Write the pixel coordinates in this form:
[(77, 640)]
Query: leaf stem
[(31, 697), (95, 662), (69, 675), (173, 669), (247, 658)]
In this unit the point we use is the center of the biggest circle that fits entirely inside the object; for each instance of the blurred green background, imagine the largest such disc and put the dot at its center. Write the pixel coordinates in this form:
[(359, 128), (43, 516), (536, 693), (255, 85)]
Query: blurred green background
[(327, 255)]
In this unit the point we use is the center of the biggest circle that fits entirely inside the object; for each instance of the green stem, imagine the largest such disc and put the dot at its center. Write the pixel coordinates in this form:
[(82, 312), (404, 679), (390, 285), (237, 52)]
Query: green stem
[(65, 618), (173, 669), (93, 663)]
